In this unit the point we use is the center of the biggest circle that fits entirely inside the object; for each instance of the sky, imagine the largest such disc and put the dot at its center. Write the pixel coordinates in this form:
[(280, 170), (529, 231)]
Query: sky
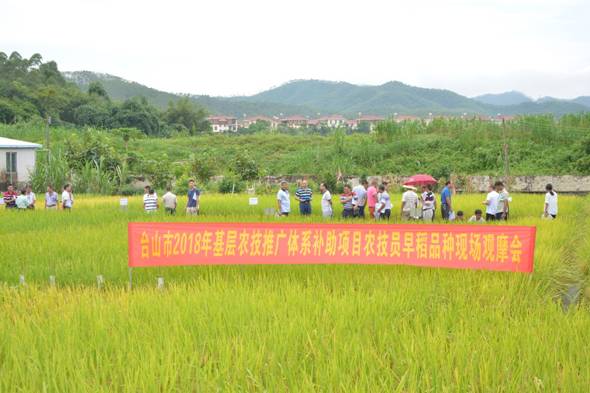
[(241, 47)]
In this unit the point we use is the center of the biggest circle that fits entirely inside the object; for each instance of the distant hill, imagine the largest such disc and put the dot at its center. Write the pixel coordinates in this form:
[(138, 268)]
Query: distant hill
[(502, 99), (309, 97), (349, 99), (121, 89), (583, 100)]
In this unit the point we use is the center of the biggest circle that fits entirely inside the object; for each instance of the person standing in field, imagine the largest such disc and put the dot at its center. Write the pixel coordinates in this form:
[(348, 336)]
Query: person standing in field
[(192, 204), (409, 203), (10, 197), (384, 203), (503, 202), (327, 211), (284, 200), (550, 202), (359, 200), (446, 205), (51, 198), (303, 194), (22, 202), (372, 197), (146, 194), (169, 201), (346, 201), (31, 198), (491, 203), (67, 198), (150, 202), (428, 203)]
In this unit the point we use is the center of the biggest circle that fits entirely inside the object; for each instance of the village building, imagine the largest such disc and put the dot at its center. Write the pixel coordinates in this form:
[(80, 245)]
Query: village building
[(370, 120), (220, 123), (295, 121), (332, 121), (406, 118), (17, 160), (248, 121)]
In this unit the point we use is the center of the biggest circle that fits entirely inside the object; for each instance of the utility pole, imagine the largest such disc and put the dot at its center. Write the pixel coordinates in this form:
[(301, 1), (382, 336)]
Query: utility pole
[(47, 123), (506, 153)]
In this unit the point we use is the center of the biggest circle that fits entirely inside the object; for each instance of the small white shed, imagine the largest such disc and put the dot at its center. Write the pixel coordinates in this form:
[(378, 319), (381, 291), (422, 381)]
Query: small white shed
[(17, 160)]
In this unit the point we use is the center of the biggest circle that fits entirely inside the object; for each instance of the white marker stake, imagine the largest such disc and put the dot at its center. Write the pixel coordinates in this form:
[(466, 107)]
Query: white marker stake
[(160, 284), (21, 279), (253, 201), (52, 281), (99, 281)]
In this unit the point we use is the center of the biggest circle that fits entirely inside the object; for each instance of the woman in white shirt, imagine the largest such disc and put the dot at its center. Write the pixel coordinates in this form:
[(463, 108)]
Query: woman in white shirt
[(550, 202)]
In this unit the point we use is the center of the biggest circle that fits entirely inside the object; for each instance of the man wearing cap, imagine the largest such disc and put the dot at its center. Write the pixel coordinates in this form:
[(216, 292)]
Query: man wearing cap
[(409, 203)]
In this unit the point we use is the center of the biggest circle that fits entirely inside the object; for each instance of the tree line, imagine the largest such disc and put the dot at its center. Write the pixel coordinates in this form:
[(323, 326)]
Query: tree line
[(31, 89)]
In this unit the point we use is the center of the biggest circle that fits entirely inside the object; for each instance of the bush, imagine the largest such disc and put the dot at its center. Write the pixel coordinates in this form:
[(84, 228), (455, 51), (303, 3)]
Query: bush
[(231, 184), (246, 167), (130, 190)]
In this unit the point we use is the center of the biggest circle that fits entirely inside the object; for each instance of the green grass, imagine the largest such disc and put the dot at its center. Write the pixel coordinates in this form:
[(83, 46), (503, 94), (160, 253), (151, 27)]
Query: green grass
[(284, 328)]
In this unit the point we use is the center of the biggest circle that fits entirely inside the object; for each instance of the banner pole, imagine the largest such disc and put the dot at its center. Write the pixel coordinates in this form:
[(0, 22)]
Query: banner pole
[(130, 278)]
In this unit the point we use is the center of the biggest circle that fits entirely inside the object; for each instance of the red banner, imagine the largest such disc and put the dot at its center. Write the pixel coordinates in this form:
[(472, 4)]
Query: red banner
[(490, 247)]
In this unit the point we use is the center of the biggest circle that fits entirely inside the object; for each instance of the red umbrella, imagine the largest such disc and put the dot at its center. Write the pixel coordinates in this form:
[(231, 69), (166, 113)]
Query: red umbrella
[(418, 180)]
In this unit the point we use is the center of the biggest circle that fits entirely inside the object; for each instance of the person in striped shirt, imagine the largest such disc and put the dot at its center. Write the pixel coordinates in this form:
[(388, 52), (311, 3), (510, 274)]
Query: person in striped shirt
[(303, 194), (150, 201), (346, 200)]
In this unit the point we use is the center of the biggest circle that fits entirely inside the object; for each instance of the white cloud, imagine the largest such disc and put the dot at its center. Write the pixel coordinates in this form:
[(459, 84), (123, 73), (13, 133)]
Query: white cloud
[(228, 47)]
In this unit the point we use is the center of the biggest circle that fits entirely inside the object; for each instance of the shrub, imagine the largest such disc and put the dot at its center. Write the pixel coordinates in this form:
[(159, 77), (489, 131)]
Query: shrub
[(231, 184)]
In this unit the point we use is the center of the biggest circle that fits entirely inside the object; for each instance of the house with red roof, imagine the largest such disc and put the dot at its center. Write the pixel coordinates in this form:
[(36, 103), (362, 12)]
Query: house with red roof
[(221, 123), (295, 121), (248, 121)]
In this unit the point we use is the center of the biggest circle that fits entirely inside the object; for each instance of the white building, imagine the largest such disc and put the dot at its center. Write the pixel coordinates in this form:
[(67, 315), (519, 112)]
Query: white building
[(17, 160), (223, 123)]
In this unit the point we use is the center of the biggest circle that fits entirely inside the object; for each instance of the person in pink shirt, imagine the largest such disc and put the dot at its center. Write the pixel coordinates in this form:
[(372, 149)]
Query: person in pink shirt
[(372, 197)]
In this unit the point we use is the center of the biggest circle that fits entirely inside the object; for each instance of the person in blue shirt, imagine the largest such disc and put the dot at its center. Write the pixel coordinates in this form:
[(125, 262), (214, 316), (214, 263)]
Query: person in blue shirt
[(445, 200), (192, 205)]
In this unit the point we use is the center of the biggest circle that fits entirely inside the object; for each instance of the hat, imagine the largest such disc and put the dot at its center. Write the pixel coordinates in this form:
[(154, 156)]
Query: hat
[(409, 187)]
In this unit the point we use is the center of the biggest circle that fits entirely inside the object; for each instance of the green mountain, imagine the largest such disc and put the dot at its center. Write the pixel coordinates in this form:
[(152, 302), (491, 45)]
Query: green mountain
[(349, 99), (120, 89), (582, 100), (503, 99), (309, 97)]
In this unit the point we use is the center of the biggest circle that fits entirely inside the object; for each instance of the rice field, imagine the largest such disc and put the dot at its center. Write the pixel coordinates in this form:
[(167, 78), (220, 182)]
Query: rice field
[(285, 328)]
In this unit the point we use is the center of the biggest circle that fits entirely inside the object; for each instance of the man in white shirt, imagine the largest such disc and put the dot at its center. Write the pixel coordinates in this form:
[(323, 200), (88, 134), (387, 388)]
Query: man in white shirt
[(169, 201), (359, 200), (31, 198), (327, 211), (491, 202), (283, 199), (409, 203), (67, 197)]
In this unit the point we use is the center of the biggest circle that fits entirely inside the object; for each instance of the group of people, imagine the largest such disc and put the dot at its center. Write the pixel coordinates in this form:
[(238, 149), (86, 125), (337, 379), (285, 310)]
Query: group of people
[(170, 201), (357, 202), (27, 200), (375, 198)]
